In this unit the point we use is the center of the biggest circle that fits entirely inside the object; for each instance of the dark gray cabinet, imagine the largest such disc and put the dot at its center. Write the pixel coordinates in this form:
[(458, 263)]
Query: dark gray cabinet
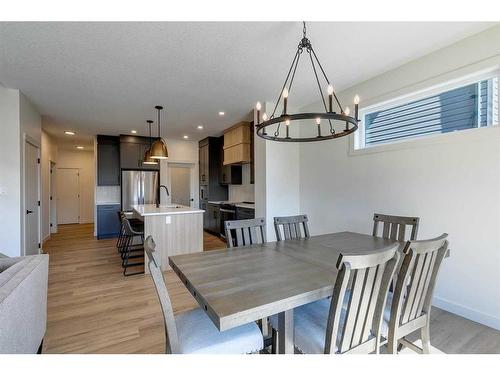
[(108, 160), (132, 150), (108, 224), (203, 162), (206, 221), (213, 218), (230, 175), (210, 168)]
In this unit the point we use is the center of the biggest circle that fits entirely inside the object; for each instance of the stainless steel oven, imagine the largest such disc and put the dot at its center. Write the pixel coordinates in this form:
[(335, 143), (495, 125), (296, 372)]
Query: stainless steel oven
[(227, 212)]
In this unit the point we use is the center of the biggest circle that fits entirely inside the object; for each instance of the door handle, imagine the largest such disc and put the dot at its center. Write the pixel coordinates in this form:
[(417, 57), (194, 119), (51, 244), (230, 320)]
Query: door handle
[(29, 212)]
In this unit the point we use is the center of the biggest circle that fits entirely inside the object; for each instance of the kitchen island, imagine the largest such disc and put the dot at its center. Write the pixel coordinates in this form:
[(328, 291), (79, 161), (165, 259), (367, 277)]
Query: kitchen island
[(176, 229)]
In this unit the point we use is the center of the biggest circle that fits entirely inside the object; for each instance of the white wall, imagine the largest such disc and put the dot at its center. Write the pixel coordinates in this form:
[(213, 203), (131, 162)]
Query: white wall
[(185, 152), (452, 182), (30, 123), (277, 179), (48, 155), (10, 173), (19, 119), (84, 161)]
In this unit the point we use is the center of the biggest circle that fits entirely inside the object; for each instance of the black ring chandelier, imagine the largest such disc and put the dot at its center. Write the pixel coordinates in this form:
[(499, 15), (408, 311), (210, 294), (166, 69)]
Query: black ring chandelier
[(349, 123)]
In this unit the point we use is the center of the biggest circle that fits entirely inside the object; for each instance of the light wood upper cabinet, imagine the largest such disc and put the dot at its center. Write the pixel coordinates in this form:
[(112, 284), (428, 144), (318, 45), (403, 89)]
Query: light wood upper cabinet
[(237, 144)]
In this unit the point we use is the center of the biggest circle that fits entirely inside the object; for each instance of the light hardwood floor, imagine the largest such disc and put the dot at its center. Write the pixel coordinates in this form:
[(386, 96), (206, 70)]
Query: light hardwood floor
[(93, 308)]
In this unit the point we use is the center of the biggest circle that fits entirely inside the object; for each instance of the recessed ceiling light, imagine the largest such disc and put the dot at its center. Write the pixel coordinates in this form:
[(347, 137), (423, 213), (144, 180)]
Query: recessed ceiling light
[(200, 127), (186, 137), (221, 113), (133, 131), (80, 147), (67, 132)]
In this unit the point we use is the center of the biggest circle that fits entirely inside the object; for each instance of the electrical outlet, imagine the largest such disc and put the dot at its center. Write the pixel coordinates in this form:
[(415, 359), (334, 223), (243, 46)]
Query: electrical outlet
[(168, 219)]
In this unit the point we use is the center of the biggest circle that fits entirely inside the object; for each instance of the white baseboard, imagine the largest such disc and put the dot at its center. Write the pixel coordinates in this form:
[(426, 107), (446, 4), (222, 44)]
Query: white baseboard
[(466, 312)]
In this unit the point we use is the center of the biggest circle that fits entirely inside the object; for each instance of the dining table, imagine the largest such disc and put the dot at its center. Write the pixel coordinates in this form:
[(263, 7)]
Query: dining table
[(244, 284)]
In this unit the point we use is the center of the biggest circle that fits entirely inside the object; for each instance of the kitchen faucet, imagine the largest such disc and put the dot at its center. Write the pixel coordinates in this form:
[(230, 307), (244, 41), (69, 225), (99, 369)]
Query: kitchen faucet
[(158, 194)]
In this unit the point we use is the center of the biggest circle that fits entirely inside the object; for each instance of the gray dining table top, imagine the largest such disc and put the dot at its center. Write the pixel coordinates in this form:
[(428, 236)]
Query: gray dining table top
[(241, 285)]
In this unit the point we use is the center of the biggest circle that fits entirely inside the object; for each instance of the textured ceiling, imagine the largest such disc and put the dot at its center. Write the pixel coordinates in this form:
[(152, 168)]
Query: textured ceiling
[(106, 77)]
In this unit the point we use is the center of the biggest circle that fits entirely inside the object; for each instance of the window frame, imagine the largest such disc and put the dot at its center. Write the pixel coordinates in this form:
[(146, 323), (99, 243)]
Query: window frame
[(357, 144)]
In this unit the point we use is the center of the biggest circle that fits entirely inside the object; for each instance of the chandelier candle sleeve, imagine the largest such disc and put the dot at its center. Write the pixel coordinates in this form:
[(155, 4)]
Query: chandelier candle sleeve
[(330, 98), (285, 100), (318, 122), (258, 106), (356, 106)]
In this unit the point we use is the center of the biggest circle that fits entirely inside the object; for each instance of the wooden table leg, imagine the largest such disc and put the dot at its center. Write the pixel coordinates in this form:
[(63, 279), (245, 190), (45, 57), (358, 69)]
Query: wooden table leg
[(286, 332)]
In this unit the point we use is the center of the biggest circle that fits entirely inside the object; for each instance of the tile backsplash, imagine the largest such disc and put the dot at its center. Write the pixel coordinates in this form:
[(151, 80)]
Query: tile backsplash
[(107, 194), (241, 193), (244, 192)]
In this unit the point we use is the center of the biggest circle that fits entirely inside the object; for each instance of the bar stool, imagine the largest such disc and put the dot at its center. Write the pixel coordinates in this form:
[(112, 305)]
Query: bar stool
[(129, 250), (136, 224)]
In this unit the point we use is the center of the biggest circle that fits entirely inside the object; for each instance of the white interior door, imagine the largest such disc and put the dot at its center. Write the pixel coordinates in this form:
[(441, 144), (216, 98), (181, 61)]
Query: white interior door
[(31, 184), (180, 183), (68, 196)]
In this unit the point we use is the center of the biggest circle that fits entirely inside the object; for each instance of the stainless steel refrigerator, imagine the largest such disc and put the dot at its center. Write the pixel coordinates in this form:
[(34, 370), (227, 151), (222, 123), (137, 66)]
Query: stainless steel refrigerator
[(138, 187)]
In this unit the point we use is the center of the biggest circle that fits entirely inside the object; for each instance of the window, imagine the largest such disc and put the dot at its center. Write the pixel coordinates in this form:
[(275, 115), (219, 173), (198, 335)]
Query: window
[(468, 106)]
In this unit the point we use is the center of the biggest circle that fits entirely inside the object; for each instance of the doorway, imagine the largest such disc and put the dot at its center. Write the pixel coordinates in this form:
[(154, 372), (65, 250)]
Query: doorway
[(68, 195), (31, 198), (180, 176), (52, 199)]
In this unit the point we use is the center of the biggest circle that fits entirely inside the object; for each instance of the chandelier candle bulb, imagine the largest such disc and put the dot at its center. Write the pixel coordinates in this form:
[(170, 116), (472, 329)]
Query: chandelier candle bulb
[(318, 122)]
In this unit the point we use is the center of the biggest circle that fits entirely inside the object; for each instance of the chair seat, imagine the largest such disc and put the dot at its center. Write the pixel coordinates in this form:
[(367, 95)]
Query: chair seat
[(198, 335), (310, 326), (310, 323)]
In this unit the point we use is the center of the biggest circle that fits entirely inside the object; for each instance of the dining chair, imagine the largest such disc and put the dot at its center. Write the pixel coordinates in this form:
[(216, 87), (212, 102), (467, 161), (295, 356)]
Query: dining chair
[(291, 227), (247, 232), (408, 308), (193, 332), (350, 321), (394, 227)]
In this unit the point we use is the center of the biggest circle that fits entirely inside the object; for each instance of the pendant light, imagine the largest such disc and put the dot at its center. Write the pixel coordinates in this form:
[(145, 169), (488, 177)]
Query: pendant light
[(337, 119), (159, 147), (147, 156)]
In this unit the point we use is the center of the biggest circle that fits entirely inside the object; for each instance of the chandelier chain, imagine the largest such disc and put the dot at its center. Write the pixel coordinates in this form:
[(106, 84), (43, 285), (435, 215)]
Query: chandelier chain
[(320, 91), (304, 29)]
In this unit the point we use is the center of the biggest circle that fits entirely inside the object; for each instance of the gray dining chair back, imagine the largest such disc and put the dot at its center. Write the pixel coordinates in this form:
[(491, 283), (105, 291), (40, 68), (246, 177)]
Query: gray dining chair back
[(394, 227), (293, 227), (154, 266), (245, 232), (412, 298), (358, 301)]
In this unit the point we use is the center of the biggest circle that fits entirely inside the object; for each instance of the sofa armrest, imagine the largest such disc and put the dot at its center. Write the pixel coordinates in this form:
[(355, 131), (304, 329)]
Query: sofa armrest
[(23, 304)]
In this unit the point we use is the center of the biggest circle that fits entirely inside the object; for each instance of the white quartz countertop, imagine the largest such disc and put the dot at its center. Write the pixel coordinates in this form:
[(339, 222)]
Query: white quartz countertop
[(164, 209)]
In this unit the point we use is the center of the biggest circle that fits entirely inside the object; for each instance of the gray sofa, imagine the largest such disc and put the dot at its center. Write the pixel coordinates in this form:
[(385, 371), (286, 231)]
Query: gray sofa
[(23, 303)]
